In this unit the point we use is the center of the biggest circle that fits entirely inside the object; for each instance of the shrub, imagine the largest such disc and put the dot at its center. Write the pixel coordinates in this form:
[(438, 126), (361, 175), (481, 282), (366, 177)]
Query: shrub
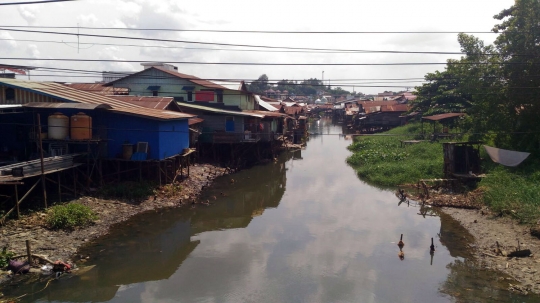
[(5, 256), (69, 216)]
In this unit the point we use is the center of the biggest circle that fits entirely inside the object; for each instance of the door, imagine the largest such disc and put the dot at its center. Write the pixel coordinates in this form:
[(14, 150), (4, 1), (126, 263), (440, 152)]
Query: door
[(229, 124)]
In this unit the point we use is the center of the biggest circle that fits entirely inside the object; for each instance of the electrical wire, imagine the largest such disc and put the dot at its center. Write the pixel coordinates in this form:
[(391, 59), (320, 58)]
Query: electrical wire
[(271, 64), (248, 31), (191, 42), (36, 2)]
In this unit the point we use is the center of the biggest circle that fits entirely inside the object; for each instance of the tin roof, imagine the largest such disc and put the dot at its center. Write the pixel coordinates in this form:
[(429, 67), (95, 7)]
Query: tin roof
[(192, 121), (151, 113), (67, 94), (98, 88), (443, 116), (218, 110), (66, 105), (264, 104), (176, 74), (148, 101)]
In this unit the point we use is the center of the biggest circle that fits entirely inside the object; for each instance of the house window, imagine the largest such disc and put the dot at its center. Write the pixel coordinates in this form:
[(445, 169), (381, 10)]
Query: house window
[(219, 93), (229, 124), (10, 94), (154, 93), (190, 95)]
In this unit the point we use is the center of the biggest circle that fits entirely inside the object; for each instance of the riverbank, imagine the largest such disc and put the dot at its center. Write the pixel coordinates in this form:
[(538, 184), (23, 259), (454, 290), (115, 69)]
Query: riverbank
[(63, 245), (503, 206)]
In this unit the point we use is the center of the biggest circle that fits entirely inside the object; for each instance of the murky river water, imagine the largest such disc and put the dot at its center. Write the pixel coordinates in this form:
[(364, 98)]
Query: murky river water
[(305, 229)]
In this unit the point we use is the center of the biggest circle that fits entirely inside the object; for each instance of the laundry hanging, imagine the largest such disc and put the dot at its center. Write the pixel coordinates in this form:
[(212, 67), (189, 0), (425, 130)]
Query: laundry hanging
[(506, 157)]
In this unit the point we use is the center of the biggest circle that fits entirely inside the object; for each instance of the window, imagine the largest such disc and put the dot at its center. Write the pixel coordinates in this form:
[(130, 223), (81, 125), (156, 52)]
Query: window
[(190, 96), (154, 93), (219, 93), (10, 94)]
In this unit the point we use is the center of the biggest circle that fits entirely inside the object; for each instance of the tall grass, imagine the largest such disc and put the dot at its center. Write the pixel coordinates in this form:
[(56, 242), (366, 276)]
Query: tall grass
[(381, 161)]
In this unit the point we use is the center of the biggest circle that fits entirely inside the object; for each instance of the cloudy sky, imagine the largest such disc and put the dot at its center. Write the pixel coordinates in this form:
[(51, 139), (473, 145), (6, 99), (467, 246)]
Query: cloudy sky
[(277, 15)]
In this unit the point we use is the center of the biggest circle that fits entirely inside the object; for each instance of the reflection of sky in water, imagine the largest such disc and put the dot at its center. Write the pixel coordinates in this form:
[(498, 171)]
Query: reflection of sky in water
[(332, 238)]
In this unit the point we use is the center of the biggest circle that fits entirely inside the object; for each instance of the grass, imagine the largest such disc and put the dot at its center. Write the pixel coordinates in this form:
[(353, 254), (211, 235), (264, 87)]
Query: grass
[(69, 216), (379, 160)]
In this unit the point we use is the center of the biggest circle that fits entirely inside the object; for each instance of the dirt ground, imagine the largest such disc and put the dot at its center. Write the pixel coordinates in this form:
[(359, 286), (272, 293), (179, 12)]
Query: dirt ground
[(487, 229), (63, 245)]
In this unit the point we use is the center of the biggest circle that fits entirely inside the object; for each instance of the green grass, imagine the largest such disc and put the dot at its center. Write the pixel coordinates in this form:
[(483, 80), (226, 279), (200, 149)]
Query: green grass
[(69, 216), (379, 160)]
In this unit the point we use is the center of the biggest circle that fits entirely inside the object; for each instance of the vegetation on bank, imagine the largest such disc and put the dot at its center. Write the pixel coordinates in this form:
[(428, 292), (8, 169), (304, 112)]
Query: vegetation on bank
[(69, 216), (380, 160)]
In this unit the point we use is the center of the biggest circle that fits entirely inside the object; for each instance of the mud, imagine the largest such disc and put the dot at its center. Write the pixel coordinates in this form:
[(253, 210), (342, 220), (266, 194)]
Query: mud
[(487, 229), (63, 245)]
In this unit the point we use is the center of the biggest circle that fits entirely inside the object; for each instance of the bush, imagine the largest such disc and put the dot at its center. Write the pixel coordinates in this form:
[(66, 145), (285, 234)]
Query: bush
[(69, 216), (5, 256)]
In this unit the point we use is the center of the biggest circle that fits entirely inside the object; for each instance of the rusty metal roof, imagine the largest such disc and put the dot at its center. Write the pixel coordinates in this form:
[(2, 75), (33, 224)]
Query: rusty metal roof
[(65, 93), (152, 113), (192, 121), (176, 74), (147, 101), (98, 88), (67, 105), (443, 116)]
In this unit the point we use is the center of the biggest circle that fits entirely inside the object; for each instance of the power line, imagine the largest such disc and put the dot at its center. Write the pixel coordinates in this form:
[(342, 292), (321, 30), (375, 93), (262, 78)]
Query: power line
[(271, 64), (190, 42), (36, 2), (249, 31), (246, 50)]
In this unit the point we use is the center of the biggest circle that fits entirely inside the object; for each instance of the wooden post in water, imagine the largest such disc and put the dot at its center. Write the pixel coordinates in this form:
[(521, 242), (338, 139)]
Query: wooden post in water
[(29, 252), (43, 185)]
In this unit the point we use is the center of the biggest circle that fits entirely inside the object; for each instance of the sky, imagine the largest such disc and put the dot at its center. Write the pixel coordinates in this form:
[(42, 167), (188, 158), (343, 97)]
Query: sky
[(278, 15)]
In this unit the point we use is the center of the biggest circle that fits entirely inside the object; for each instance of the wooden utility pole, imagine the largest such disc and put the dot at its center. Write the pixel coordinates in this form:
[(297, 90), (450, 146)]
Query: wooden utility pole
[(43, 185)]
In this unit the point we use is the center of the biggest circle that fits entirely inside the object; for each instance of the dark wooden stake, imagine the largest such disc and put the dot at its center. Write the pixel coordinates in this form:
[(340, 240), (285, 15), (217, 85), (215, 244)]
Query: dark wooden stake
[(43, 185), (17, 201), (29, 252)]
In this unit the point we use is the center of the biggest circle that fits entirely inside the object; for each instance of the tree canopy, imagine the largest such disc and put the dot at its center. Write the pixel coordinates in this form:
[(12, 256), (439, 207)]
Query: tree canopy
[(496, 85)]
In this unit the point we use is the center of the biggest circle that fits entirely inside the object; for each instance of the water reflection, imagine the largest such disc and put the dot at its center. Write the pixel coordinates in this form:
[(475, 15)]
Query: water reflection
[(304, 229)]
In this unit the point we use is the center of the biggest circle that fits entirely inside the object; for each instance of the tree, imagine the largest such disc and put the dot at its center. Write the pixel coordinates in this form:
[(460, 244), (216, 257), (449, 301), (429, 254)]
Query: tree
[(260, 85), (519, 46)]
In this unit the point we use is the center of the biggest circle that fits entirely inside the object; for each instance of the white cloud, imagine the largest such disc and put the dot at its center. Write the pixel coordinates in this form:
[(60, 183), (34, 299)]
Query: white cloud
[(6, 41), (28, 13)]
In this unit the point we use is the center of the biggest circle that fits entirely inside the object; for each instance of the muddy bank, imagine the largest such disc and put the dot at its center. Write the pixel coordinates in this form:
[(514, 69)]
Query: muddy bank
[(488, 228), (63, 245)]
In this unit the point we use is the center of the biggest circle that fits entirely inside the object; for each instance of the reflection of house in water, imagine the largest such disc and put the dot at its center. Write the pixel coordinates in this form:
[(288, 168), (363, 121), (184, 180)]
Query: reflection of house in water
[(152, 246)]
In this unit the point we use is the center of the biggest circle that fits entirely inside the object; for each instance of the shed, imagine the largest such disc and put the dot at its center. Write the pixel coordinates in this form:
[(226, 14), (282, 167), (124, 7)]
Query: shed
[(461, 159)]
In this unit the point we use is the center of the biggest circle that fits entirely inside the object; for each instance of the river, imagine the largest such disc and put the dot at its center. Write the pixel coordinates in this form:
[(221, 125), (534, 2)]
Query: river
[(303, 229)]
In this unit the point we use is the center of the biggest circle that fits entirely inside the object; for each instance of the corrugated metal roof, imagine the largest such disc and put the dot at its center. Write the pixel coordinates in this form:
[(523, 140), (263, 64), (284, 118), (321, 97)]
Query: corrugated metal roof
[(176, 74), (192, 121), (218, 110), (68, 94), (266, 113), (147, 101), (98, 88), (66, 105), (152, 113), (62, 92), (395, 108), (443, 116), (264, 104)]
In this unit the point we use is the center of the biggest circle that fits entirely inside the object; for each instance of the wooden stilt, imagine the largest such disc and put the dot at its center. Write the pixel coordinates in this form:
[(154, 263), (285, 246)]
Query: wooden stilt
[(59, 188), (29, 252), (43, 185), (17, 202)]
